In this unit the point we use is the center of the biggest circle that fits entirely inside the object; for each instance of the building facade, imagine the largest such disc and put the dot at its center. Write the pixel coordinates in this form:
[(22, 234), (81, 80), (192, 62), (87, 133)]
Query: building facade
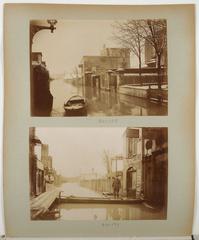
[(155, 165), (36, 166), (96, 70), (132, 171), (42, 176), (146, 164)]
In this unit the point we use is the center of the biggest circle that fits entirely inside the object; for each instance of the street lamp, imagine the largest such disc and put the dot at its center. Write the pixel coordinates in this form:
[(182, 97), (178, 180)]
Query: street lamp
[(34, 28), (52, 23)]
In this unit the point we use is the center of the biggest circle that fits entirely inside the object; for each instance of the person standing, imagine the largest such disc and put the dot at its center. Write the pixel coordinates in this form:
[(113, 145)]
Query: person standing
[(116, 187)]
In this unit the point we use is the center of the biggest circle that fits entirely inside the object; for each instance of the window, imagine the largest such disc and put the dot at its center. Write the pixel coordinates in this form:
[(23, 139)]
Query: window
[(134, 146), (130, 149)]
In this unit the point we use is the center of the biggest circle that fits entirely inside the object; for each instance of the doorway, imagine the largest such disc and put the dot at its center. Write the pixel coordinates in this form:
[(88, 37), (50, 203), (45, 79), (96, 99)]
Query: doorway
[(131, 182)]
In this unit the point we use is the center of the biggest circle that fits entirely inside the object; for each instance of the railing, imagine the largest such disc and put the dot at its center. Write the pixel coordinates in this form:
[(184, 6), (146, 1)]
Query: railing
[(143, 79)]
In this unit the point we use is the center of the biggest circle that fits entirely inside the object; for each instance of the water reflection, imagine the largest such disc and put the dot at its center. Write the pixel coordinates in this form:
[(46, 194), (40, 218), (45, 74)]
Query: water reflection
[(92, 211), (103, 103), (109, 212)]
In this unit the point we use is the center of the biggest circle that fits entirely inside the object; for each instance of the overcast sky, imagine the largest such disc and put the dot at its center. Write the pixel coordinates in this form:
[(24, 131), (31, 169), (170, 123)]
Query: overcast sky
[(79, 150), (64, 49)]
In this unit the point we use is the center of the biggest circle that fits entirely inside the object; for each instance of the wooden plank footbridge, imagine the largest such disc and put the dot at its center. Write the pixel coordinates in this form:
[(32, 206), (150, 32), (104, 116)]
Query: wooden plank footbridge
[(41, 204)]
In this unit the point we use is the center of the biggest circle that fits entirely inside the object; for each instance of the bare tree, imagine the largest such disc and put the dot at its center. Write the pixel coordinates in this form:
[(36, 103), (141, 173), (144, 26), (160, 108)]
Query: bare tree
[(106, 160), (155, 33), (108, 164), (129, 34), (134, 33)]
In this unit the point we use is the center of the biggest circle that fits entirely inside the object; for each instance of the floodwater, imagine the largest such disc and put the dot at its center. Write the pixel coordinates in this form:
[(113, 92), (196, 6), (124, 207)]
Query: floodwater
[(103, 103), (109, 212), (92, 211), (74, 189)]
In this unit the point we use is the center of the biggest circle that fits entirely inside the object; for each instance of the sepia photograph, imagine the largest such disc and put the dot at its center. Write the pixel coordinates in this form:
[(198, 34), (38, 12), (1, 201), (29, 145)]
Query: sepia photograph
[(98, 67), (99, 120), (82, 174)]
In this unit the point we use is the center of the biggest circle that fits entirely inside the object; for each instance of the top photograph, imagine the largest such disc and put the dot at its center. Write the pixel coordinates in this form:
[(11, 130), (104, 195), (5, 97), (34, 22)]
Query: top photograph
[(96, 68)]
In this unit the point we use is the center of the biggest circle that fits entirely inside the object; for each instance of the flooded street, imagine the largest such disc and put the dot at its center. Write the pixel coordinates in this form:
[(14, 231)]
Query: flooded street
[(92, 211), (74, 189), (108, 212), (102, 103)]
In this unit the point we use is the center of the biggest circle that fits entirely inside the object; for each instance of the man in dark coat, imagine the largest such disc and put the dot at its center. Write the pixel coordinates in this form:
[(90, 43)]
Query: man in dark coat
[(116, 187)]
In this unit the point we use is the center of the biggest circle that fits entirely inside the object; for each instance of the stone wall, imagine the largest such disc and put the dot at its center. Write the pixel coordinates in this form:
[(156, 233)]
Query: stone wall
[(135, 92)]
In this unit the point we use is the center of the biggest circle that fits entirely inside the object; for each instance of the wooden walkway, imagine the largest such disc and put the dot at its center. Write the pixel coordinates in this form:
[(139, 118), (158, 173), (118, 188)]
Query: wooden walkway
[(41, 204)]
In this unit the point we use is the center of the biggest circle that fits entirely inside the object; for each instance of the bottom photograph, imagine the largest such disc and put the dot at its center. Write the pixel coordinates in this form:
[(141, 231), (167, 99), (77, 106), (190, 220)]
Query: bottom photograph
[(98, 173)]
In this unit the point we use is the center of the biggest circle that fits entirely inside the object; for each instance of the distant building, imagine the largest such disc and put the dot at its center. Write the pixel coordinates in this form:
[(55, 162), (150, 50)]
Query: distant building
[(96, 69), (145, 164), (150, 56), (117, 52)]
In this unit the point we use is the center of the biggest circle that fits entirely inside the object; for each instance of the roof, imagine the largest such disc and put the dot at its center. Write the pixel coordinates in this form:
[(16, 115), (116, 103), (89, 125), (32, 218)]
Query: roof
[(95, 56)]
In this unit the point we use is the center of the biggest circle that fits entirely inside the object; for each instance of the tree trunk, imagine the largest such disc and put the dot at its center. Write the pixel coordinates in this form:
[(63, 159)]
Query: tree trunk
[(140, 71), (159, 70)]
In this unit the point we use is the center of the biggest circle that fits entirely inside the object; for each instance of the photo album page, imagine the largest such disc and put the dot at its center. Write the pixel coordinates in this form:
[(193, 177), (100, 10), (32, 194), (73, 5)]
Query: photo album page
[(99, 120)]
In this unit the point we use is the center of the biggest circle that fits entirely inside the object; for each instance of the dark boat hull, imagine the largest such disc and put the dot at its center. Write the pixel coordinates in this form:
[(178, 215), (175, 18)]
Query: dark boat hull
[(76, 112)]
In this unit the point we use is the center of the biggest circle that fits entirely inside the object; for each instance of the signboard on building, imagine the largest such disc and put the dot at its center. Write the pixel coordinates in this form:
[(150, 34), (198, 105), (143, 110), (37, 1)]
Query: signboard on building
[(132, 133)]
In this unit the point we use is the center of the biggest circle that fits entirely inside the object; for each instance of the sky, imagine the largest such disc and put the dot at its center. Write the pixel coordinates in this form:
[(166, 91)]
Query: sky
[(79, 150), (63, 49)]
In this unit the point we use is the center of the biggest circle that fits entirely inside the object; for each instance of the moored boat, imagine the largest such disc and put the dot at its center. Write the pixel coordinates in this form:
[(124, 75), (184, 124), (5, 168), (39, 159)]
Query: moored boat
[(75, 106)]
